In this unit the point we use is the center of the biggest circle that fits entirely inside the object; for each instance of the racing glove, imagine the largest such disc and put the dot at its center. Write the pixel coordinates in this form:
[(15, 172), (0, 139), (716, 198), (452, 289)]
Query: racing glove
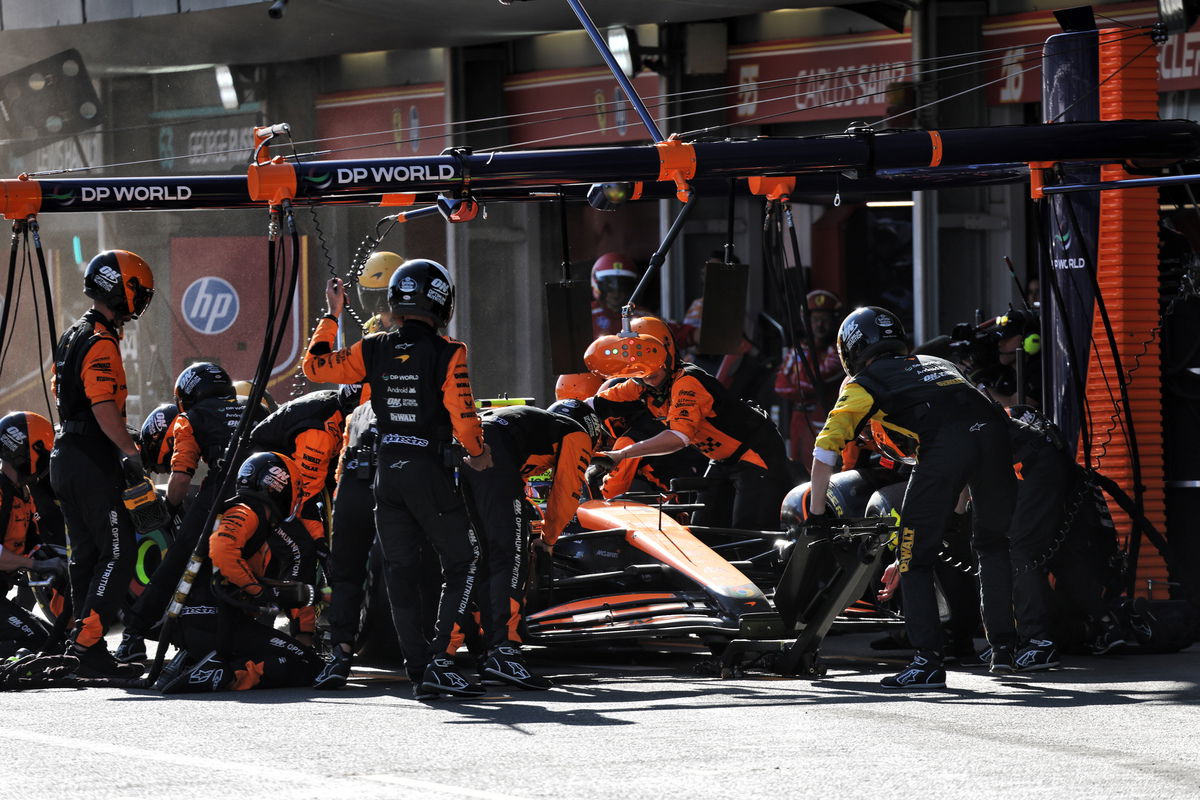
[(49, 566), (595, 474), (290, 594), (819, 523)]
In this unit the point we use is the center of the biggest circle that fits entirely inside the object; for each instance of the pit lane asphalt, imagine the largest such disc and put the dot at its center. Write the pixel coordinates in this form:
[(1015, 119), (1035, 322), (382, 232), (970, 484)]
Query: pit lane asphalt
[(1120, 726)]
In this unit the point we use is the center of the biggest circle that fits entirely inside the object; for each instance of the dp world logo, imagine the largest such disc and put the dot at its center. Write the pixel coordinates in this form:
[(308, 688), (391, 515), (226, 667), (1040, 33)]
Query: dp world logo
[(210, 305)]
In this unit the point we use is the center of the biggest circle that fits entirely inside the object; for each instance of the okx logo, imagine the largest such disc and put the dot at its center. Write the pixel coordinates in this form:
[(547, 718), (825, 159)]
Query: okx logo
[(210, 305)]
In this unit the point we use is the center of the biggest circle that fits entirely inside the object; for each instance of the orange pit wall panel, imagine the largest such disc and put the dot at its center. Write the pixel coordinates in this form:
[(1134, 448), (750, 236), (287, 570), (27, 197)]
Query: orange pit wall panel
[(1128, 277)]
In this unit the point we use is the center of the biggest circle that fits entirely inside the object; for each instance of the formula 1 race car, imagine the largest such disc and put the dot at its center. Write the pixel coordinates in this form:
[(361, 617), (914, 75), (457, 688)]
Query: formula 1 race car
[(634, 573)]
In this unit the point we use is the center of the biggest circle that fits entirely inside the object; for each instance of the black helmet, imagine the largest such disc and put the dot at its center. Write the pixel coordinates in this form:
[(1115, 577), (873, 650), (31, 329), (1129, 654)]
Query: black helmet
[(200, 382), (581, 413), (153, 442), (121, 280), (349, 398), (26, 440), (373, 281), (274, 478), (422, 286), (866, 332)]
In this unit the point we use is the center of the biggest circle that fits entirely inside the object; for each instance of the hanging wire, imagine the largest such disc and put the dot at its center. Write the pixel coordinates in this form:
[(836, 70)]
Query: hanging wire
[(16, 309), (37, 325), (554, 114), (299, 380), (590, 109)]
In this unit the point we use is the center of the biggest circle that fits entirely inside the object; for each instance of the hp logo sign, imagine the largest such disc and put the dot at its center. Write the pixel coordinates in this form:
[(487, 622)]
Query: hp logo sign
[(210, 305)]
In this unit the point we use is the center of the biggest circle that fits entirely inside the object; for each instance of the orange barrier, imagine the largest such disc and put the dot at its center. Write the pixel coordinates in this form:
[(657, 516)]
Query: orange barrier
[(1128, 277)]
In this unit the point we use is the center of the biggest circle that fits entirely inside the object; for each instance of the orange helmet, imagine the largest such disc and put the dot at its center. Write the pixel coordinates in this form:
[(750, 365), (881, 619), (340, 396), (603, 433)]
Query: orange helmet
[(653, 326), (613, 272), (577, 386), (625, 355), (121, 280), (26, 440)]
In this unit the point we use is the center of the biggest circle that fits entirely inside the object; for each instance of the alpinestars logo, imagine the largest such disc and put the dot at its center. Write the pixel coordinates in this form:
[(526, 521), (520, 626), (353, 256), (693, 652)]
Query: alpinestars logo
[(978, 426), (201, 676), (454, 680), (516, 670)]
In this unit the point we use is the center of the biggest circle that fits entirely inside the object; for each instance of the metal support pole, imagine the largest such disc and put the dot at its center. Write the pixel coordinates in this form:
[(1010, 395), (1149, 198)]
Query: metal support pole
[(656, 260), (626, 85)]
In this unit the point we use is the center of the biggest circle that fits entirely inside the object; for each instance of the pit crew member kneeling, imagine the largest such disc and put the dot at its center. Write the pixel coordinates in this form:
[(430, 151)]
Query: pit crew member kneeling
[(230, 591)]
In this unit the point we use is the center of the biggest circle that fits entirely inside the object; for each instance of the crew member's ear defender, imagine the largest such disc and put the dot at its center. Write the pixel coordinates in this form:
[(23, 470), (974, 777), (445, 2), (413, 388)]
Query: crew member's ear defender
[(569, 318), (723, 318)]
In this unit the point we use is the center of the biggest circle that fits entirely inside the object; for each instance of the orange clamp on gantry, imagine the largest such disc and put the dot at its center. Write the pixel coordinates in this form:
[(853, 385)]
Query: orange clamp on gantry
[(20, 198), (773, 187), (677, 162), (270, 180), (1037, 180)]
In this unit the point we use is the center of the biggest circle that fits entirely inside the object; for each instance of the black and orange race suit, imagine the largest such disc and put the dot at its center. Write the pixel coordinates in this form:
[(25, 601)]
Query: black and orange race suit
[(242, 546), (85, 473), (18, 628), (960, 439), (657, 471), (421, 395), (309, 430), (746, 452), (200, 434), (525, 441)]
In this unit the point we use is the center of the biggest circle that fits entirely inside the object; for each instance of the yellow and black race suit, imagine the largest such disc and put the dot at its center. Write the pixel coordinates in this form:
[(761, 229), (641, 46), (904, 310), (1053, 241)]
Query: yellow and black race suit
[(959, 438)]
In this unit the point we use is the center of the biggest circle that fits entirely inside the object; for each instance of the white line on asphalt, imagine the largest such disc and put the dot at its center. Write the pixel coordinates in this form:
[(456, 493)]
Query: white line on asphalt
[(437, 787), (348, 787)]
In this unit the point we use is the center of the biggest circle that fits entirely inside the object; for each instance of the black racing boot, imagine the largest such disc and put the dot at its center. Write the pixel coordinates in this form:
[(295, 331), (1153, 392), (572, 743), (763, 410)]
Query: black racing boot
[(97, 662), (506, 663), (336, 671), (441, 677), (1107, 635), (209, 675), (1004, 661), (925, 671), (1037, 654), (132, 648), (172, 670)]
